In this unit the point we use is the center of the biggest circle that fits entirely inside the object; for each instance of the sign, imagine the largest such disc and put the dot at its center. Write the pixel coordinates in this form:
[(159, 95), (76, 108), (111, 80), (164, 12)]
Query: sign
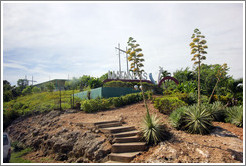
[(126, 75)]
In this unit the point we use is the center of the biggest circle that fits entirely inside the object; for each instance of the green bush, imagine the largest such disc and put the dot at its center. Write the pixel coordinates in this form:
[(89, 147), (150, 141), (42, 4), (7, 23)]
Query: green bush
[(94, 105), (235, 115), (177, 117), (118, 101), (146, 86), (167, 104)]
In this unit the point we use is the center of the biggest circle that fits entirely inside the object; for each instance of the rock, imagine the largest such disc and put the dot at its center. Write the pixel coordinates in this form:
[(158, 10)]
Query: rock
[(61, 157), (203, 153)]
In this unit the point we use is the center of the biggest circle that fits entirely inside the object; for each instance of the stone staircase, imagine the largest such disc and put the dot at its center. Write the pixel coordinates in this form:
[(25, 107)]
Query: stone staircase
[(126, 144)]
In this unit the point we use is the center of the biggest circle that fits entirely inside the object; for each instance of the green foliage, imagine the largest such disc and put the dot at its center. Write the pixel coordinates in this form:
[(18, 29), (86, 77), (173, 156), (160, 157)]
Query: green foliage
[(152, 129), (192, 119), (36, 90), (197, 121), (217, 110), (50, 86), (235, 115), (146, 86), (33, 103), (27, 90), (16, 156), (167, 104), (94, 105), (177, 117)]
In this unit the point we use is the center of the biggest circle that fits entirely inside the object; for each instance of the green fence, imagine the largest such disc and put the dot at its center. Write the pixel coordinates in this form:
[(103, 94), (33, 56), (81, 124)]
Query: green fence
[(106, 92)]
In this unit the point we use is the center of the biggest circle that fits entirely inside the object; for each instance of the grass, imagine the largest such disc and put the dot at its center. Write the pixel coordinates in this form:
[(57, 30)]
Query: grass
[(16, 157), (37, 102)]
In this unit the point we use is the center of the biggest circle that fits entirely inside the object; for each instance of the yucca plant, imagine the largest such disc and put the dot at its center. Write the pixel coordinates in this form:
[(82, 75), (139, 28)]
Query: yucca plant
[(152, 129), (198, 121), (177, 117), (235, 115), (217, 110)]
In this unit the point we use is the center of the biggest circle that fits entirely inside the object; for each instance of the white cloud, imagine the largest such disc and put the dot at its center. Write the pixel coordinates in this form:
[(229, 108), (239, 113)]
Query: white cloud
[(79, 38)]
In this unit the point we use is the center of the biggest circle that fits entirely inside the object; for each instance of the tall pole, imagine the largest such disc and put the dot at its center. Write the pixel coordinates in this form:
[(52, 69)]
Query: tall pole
[(119, 58), (127, 69)]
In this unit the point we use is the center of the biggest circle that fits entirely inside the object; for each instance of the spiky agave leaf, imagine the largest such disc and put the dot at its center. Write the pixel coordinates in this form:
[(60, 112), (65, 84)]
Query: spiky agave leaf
[(198, 120), (152, 130)]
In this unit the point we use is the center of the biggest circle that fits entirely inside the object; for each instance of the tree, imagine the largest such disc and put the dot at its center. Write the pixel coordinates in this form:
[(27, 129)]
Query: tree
[(22, 83), (164, 73), (50, 86), (94, 83), (221, 73), (36, 90), (27, 90), (198, 50)]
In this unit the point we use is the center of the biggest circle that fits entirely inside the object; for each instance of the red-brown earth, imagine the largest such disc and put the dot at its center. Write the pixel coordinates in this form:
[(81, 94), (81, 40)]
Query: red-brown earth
[(223, 145)]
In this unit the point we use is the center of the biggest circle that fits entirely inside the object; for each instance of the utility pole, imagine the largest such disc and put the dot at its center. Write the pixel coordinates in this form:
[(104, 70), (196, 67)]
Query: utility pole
[(120, 50), (32, 80)]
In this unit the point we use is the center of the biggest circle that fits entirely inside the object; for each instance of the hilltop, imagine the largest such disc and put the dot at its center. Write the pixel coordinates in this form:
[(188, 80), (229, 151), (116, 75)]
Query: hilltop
[(48, 131)]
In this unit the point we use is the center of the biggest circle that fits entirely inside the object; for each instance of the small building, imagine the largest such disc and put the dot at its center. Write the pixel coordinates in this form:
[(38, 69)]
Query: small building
[(59, 84)]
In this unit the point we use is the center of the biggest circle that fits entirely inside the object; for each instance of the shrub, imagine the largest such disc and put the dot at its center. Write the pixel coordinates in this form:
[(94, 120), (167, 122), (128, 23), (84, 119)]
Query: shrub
[(217, 110), (197, 121), (235, 115), (167, 104), (177, 117), (152, 130), (118, 101), (146, 86)]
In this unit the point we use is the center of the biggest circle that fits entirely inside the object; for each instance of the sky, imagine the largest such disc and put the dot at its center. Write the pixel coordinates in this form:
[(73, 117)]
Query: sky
[(64, 40)]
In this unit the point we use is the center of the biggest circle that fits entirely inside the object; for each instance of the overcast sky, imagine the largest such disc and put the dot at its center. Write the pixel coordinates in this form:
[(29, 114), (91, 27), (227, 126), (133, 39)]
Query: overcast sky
[(54, 40)]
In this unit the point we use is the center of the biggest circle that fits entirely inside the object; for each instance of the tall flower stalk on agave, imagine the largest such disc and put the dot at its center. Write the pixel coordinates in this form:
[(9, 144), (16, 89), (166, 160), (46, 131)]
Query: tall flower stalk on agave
[(151, 129)]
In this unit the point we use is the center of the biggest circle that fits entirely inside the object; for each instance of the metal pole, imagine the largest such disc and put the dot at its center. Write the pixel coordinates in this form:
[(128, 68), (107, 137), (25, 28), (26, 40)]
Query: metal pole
[(119, 58), (127, 62)]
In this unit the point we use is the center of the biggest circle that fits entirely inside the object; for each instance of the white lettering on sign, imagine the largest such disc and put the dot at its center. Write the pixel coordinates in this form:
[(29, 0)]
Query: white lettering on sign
[(126, 75)]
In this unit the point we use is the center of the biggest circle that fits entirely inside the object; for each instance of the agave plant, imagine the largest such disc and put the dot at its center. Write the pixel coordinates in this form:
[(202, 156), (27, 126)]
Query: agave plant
[(235, 115), (152, 130), (198, 121), (177, 117), (217, 110)]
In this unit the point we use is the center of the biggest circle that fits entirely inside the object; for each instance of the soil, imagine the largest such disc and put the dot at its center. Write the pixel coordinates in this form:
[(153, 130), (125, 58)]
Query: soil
[(223, 145)]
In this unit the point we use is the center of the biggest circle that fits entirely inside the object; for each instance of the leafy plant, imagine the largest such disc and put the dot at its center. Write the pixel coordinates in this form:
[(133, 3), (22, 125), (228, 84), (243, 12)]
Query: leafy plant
[(177, 117), (152, 129), (217, 110), (167, 104), (235, 115), (197, 120)]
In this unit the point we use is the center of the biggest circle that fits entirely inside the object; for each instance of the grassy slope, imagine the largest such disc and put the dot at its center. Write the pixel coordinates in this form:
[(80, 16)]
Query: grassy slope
[(40, 102)]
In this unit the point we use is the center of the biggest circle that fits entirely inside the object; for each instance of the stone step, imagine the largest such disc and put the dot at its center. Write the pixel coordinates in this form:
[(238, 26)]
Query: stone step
[(126, 134), (110, 161), (105, 122), (106, 125), (123, 157), (118, 129), (128, 147), (126, 139)]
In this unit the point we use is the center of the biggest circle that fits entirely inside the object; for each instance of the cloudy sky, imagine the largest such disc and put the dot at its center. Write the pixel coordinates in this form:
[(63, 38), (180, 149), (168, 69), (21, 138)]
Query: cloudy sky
[(54, 40)]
